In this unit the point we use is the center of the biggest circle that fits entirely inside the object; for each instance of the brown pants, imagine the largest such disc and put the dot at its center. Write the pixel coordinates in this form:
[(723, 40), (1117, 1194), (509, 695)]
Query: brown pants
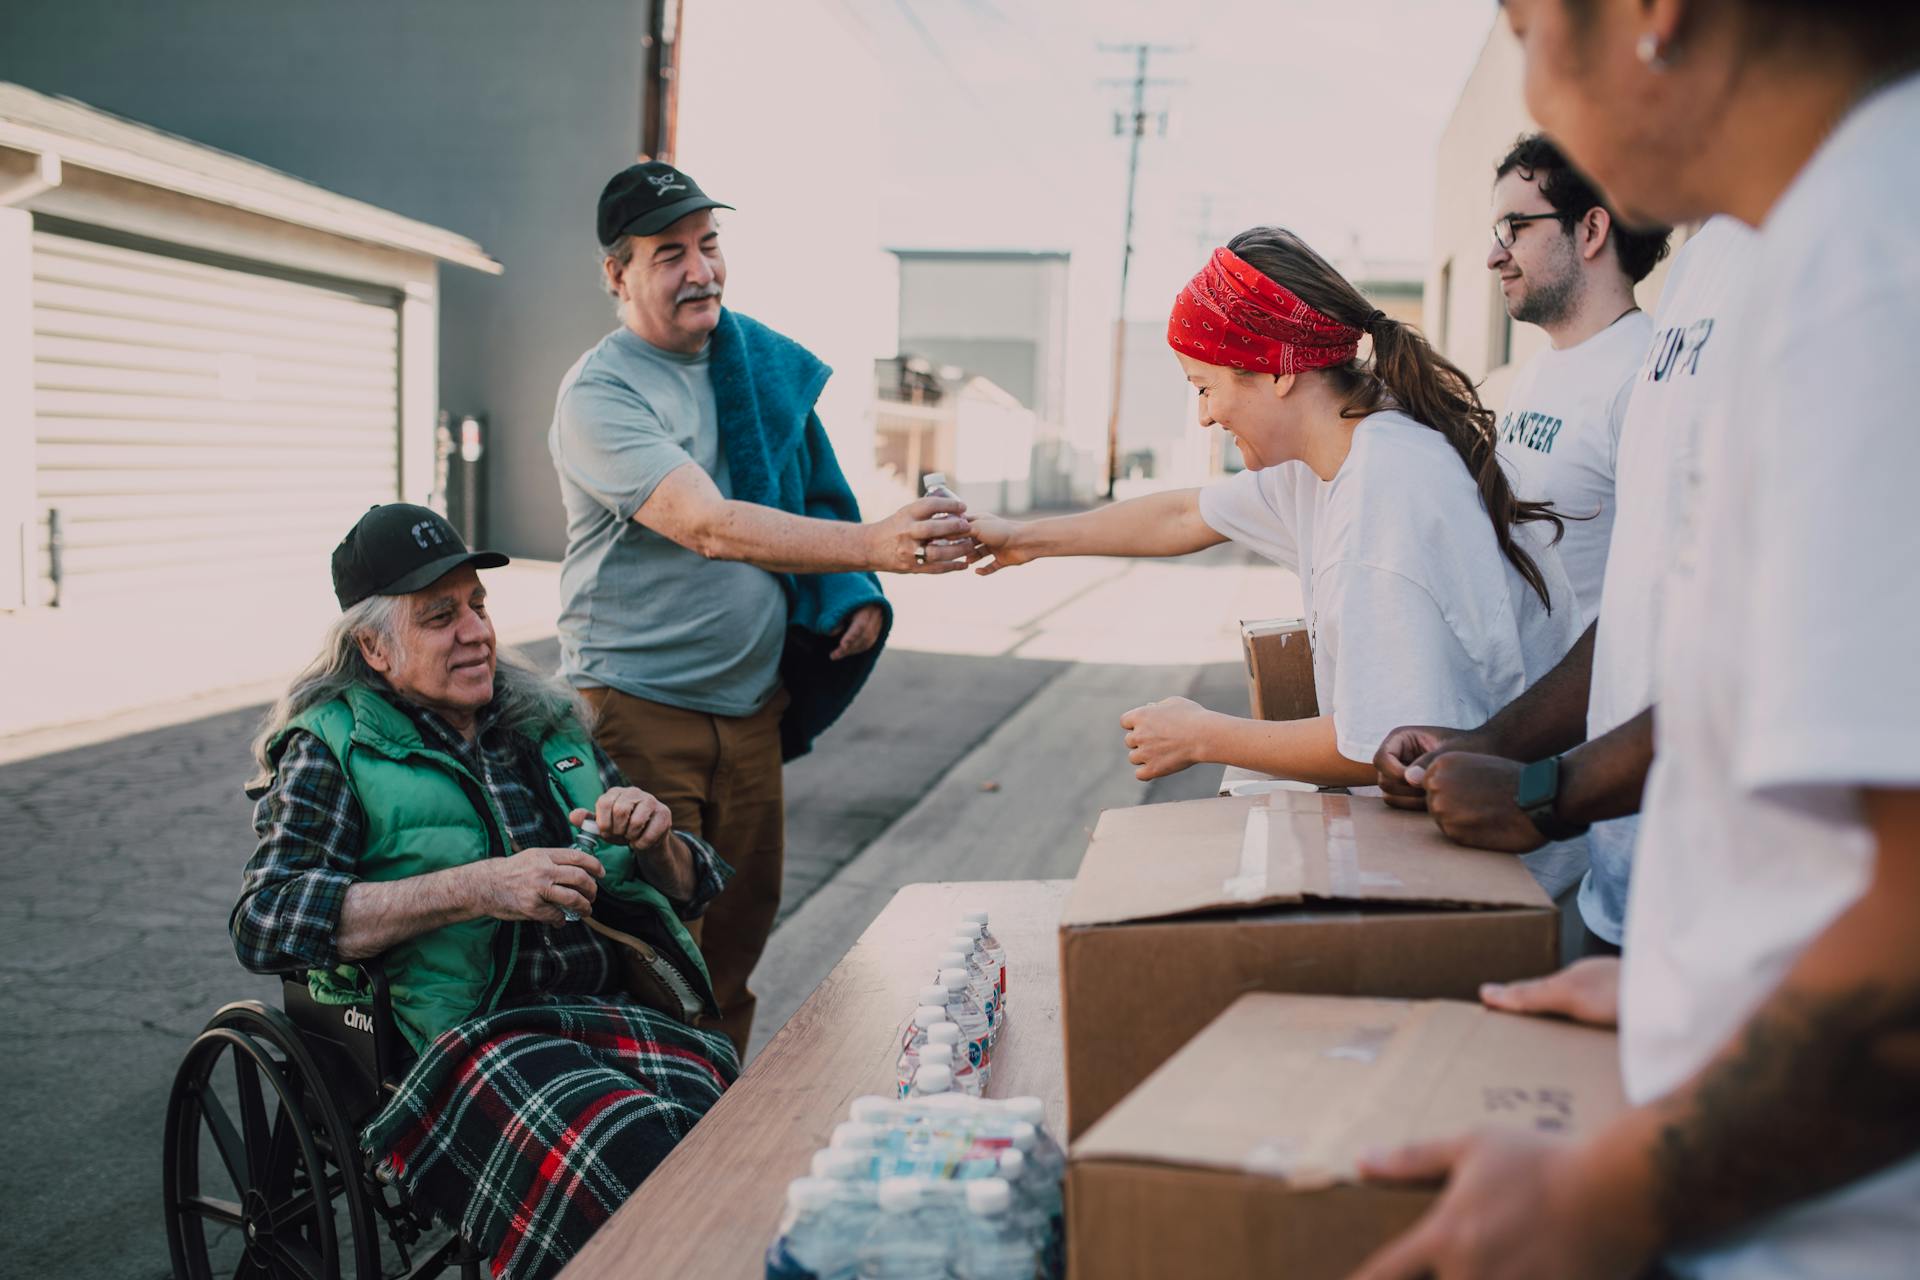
[(720, 775)]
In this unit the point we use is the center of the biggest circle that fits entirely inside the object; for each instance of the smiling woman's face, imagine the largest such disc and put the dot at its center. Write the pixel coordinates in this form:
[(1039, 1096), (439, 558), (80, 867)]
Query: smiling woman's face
[(444, 656), (1250, 406)]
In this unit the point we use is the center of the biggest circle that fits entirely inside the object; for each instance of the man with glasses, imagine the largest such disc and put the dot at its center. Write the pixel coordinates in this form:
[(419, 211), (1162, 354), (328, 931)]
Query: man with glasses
[(1566, 265)]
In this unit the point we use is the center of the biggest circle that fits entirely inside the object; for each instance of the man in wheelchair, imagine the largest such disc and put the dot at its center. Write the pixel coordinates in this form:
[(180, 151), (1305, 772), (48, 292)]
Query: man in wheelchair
[(417, 801)]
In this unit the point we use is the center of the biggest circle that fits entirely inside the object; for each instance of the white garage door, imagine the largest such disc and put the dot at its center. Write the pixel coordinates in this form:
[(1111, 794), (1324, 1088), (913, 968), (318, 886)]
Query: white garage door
[(191, 419)]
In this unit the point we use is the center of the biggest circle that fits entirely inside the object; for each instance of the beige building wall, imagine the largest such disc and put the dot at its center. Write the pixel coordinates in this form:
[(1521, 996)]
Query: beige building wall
[(1464, 315)]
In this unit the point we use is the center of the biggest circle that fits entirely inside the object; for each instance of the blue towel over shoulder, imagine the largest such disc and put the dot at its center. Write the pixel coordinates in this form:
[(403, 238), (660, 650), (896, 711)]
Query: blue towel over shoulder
[(765, 386)]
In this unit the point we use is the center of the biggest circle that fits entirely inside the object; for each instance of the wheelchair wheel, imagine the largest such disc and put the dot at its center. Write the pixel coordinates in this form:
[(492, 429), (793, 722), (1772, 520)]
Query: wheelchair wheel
[(262, 1176)]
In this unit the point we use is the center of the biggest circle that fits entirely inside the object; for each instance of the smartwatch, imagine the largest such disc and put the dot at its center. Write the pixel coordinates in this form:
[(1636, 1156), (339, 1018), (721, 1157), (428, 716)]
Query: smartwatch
[(1535, 796)]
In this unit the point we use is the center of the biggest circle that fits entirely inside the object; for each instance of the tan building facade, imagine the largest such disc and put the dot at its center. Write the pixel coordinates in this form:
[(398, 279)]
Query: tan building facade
[(1465, 316)]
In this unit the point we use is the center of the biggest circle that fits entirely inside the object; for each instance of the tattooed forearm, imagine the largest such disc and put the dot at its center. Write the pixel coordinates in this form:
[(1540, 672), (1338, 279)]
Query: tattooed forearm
[(1819, 1089)]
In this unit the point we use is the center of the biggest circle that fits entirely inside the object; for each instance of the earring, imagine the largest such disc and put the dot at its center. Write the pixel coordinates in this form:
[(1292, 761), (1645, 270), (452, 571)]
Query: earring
[(1649, 52)]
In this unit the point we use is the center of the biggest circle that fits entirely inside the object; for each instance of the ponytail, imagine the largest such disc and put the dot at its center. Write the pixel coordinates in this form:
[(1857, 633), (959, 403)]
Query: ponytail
[(1406, 373), (1434, 392)]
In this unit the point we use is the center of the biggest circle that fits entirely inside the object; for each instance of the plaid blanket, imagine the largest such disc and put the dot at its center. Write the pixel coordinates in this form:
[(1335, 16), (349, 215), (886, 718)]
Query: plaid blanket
[(528, 1127)]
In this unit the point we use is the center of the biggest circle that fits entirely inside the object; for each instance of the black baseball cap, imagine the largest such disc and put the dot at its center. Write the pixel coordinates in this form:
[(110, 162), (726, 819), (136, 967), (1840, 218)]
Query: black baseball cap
[(399, 548), (646, 199)]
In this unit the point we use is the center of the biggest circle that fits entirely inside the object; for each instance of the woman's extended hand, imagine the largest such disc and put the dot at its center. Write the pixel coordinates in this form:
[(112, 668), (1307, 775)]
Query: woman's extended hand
[(999, 538)]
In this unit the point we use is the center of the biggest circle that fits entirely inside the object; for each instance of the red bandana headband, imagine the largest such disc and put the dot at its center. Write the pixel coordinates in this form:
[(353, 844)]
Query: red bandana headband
[(1233, 316)]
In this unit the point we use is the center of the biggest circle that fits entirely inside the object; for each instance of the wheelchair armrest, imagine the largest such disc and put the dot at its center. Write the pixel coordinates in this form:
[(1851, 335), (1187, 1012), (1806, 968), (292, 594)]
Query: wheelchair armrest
[(391, 1054), (390, 1051)]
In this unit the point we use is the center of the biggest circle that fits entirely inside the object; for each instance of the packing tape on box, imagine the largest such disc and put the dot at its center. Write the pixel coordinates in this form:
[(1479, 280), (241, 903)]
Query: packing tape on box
[(1250, 884), (1345, 876)]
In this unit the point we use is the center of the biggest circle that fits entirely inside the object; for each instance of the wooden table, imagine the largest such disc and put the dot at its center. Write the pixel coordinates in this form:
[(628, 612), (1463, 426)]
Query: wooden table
[(713, 1206)]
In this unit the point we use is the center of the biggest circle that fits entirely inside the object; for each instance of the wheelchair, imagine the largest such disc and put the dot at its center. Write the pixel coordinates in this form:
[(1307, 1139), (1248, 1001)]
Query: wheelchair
[(264, 1178)]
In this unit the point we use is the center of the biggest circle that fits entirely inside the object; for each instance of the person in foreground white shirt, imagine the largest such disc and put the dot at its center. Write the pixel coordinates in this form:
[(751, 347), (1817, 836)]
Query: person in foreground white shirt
[(1374, 481), (1769, 994)]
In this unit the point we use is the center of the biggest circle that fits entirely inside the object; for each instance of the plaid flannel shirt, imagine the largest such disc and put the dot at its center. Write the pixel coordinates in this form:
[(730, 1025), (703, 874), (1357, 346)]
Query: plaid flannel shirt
[(311, 831)]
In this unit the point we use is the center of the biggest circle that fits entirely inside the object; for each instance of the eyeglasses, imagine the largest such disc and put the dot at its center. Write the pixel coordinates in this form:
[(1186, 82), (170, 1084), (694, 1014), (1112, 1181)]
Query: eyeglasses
[(1506, 230)]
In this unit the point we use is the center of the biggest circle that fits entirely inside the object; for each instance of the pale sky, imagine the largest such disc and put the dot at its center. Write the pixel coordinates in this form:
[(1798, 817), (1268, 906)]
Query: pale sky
[(1322, 116)]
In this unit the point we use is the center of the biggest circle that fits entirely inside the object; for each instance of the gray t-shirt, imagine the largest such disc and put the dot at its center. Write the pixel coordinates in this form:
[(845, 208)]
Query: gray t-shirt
[(638, 612)]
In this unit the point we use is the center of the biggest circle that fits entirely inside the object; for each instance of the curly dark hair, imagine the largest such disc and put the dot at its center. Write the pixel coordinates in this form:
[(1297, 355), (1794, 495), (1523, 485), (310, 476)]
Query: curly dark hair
[(1535, 158)]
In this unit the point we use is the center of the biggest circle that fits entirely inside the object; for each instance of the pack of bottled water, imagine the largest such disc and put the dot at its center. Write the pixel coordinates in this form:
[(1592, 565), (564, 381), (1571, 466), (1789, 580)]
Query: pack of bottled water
[(938, 1186)]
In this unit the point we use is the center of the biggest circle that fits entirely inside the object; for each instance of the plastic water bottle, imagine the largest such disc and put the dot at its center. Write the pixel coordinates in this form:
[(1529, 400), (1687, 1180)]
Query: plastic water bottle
[(994, 1245), (1046, 1152), (965, 1012), (931, 1008), (855, 1135), (934, 1054), (587, 840), (965, 1078), (979, 967), (932, 1078), (934, 995), (1040, 1205), (935, 486), (846, 1164), (912, 1237), (925, 1018), (994, 949), (1048, 1163), (1030, 1198), (956, 957), (821, 1232)]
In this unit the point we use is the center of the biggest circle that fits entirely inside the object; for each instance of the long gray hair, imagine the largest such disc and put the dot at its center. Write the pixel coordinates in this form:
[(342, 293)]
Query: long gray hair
[(529, 702)]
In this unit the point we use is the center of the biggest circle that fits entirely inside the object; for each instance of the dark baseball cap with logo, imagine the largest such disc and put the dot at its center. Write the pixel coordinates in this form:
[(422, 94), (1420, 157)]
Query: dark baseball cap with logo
[(646, 199), (399, 548)]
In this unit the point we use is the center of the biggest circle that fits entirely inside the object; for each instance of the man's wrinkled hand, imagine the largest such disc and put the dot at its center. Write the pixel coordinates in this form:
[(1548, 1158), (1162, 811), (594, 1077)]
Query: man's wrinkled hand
[(1165, 737), (996, 538), (861, 633), (537, 884), (1471, 798), (928, 535), (1403, 748), (1586, 991), (1517, 1206), (629, 816)]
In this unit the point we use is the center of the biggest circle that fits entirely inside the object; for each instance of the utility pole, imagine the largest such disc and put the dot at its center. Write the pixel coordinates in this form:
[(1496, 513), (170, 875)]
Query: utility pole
[(660, 94), (1133, 123)]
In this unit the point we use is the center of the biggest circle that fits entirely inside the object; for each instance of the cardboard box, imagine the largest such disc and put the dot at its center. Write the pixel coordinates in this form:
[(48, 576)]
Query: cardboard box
[(1238, 781), (1279, 669), (1181, 908), (1239, 1156)]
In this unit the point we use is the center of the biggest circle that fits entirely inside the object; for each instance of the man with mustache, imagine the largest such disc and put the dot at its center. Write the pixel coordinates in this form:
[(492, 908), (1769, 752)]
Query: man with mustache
[(718, 603), (1566, 265)]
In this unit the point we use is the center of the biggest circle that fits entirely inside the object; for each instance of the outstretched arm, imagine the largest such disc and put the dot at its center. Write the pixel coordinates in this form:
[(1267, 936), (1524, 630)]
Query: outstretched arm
[(1159, 524), (689, 508), (1174, 733)]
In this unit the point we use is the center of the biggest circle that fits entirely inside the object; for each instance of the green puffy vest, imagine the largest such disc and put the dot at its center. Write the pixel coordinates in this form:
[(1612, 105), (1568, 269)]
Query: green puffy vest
[(424, 812)]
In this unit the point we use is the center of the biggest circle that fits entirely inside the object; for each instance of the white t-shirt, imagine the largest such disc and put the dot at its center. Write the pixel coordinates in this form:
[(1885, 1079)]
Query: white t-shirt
[(1788, 680), (1687, 372), (1414, 614), (1558, 435)]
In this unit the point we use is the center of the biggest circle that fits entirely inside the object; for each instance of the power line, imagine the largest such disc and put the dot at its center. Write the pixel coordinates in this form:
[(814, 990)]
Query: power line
[(1133, 123)]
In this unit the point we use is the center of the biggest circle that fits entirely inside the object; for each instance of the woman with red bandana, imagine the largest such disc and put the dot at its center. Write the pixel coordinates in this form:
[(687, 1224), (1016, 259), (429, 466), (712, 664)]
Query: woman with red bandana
[(1432, 594)]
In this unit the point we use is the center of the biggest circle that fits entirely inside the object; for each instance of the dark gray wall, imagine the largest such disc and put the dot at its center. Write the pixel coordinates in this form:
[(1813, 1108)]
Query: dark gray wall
[(499, 119)]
